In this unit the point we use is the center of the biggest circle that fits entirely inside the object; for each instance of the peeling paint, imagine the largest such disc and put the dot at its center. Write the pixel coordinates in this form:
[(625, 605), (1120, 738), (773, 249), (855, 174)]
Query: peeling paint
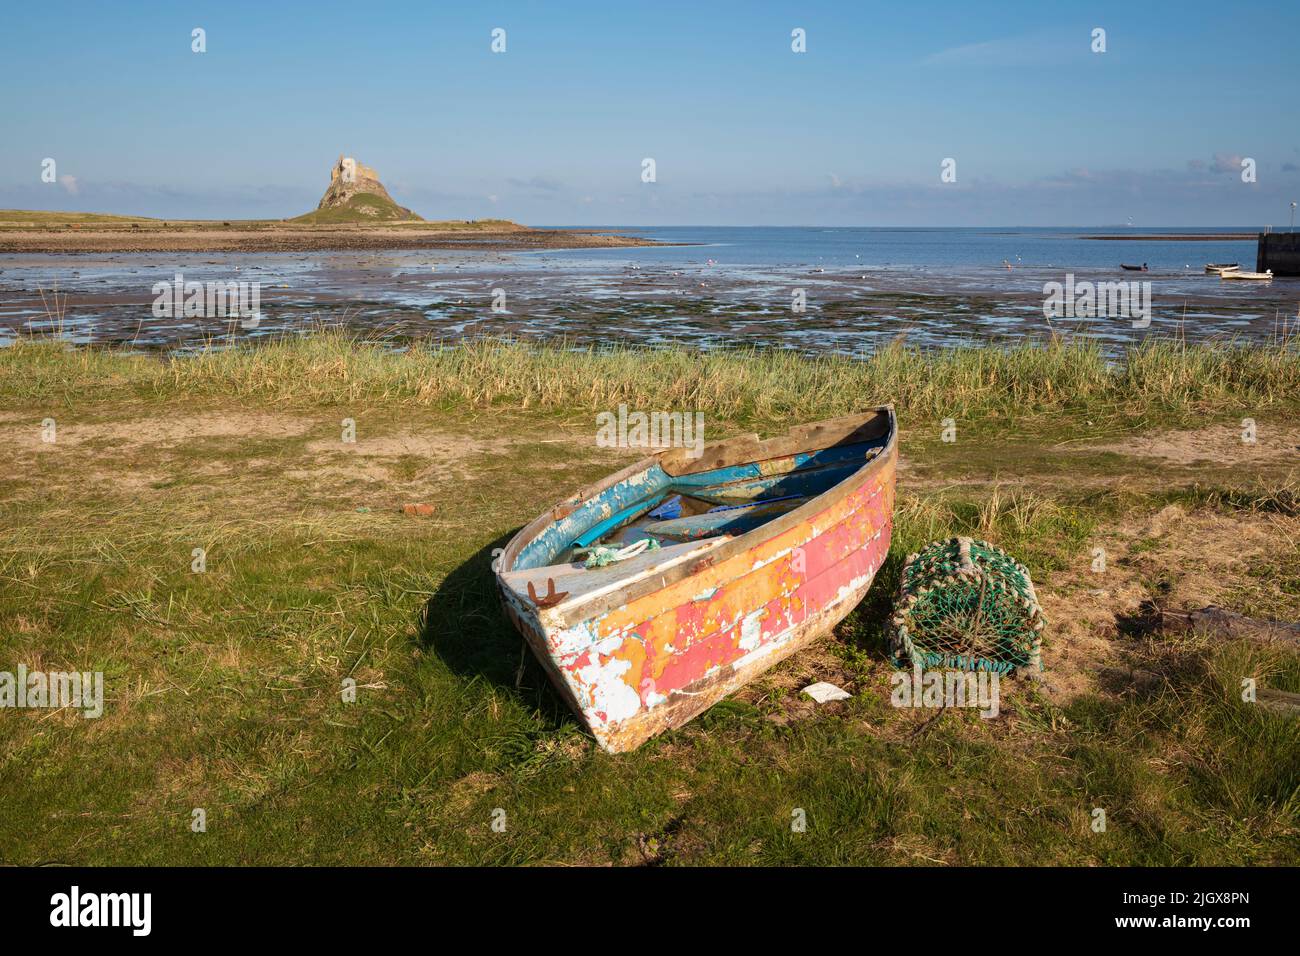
[(750, 630), (606, 693), (659, 658)]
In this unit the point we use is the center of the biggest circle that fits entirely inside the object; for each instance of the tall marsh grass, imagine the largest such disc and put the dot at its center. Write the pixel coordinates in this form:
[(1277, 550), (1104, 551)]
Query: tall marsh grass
[(332, 367)]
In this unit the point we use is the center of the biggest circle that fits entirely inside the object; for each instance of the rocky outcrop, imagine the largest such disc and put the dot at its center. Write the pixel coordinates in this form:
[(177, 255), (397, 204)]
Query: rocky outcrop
[(355, 187)]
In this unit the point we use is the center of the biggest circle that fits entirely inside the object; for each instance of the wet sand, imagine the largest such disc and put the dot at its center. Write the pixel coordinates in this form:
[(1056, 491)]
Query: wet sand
[(594, 298)]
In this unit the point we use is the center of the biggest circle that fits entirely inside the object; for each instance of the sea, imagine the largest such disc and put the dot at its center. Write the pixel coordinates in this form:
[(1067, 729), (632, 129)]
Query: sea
[(812, 289)]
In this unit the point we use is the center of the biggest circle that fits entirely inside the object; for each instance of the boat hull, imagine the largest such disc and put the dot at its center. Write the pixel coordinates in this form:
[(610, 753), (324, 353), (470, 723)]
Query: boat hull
[(669, 651)]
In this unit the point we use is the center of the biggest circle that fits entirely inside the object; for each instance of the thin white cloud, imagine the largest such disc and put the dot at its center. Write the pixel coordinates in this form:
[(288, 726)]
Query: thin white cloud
[(1033, 50), (1226, 163)]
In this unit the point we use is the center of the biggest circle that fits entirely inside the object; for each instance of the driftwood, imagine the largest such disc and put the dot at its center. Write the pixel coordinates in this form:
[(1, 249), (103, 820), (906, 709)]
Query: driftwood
[(1215, 622), (1281, 701), (1219, 622), (1223, 623), (1146, 682)]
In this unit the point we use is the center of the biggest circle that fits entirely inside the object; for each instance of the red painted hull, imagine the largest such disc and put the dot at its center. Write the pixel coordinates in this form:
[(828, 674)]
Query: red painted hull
[(661, 657)]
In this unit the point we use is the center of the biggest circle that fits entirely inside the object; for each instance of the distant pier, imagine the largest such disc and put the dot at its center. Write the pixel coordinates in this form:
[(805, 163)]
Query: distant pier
[(1280, 252)]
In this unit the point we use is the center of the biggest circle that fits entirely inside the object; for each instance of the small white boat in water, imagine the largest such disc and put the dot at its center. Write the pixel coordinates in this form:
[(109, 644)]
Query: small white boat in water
[(1262, 276), (1216, 268)]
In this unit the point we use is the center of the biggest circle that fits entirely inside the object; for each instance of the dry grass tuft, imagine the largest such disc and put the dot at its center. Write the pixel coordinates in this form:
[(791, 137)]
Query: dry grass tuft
[(334, 367)]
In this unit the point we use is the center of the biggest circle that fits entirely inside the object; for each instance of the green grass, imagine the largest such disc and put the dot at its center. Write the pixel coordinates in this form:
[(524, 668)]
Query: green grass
[(363, 207), (1160, 380), (223, 688), (41, 217), (394, 216)]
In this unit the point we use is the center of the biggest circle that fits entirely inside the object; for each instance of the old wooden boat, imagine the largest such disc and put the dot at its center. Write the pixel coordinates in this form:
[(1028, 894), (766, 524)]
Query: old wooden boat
[(1236, 274), (1128, 268), (715, 567), (1213, 268)]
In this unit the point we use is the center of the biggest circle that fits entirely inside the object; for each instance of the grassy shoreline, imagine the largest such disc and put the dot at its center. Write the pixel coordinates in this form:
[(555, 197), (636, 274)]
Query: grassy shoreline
[(222, 687), (1159, 376), (39, 232)]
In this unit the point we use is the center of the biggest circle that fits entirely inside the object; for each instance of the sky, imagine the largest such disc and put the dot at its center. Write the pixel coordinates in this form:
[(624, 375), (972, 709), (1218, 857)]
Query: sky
[(743, 130)]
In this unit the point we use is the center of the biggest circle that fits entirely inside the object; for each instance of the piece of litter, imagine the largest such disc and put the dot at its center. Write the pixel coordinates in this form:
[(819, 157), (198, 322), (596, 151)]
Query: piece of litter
[(823, 692), (363, 510), (672, 508), (417, 510)]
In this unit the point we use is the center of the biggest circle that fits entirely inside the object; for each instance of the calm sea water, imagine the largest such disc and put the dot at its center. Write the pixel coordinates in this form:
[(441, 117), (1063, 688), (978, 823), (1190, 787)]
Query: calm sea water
[(934, 248), (723, 286)]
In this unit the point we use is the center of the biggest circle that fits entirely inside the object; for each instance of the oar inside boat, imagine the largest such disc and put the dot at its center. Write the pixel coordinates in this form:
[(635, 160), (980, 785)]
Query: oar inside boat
[(713, 502), (723, 519)]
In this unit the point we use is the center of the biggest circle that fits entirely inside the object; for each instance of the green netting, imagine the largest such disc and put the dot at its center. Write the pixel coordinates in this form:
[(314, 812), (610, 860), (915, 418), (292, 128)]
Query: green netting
[(967, 605)]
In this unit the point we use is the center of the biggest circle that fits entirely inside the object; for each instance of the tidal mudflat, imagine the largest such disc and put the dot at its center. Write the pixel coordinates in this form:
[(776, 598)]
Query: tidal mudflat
[(698, 294)]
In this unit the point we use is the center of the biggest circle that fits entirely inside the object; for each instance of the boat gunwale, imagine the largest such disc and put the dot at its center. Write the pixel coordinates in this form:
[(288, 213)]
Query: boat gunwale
[(596, 605)]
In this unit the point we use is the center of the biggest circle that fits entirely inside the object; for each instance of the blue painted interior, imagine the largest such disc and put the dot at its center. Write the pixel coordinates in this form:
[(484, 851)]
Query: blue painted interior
[(812, 473), (613, 521), (736, 520)]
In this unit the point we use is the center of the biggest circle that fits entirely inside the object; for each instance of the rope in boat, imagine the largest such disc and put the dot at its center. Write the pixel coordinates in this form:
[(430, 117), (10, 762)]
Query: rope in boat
[(599, 556)]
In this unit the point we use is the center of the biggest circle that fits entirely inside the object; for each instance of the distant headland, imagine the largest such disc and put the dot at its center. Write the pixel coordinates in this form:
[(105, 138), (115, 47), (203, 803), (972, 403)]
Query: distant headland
[(356, 212)]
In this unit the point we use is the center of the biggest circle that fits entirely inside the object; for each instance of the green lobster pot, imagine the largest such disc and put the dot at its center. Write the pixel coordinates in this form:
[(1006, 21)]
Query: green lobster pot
[(967, 605)]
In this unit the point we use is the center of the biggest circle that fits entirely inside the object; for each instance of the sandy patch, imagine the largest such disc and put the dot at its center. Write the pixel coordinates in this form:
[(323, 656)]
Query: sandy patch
[(1221, 444), (1204, 554), (151, 452), (369, 458), (169, 431), (379, 458), (1190, 559), (423, 444)]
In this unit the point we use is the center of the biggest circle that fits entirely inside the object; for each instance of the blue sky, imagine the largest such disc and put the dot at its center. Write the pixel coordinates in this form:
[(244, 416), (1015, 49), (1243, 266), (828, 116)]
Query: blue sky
[(742, 130)]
